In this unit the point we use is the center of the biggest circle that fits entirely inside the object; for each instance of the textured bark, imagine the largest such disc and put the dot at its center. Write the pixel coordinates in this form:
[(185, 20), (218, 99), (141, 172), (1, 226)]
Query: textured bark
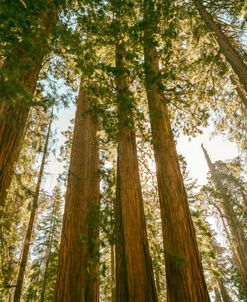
[(184, 274), (134, 274), (14, 109), (239, 242), (28, 237), (231, 55), (77, 278), (12, 126), (122, 292)]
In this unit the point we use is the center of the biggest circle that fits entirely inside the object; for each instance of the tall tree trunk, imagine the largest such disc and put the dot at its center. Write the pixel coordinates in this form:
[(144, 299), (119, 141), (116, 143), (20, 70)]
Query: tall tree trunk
[(77, 278), (14, 110), (223, 291), (231, 55), (134, 274), (122, 292), (27, 242), (217, 294), (184, 274), (239, 242), (44, 283), (113, 279), (220, 288), (235, 256)]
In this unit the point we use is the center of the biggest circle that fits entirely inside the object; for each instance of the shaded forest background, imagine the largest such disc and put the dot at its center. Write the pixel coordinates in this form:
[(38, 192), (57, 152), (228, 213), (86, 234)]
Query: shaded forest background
[(124, 222)]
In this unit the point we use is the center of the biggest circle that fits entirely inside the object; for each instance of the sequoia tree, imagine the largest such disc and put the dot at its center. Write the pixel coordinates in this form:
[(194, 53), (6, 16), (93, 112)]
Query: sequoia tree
[(19, 76), (230, 53), (185, 280), (77, 278), (134, 274)]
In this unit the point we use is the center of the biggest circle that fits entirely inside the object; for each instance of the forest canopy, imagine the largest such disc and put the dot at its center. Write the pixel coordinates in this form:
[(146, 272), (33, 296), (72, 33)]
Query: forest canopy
[(96, 203)]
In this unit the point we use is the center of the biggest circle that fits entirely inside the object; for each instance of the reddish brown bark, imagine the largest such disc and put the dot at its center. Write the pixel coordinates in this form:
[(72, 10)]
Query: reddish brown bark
[(14, 110), (134, 274), (77, 278), (28, 237), (184, 274), (231, 55), (11, 134)]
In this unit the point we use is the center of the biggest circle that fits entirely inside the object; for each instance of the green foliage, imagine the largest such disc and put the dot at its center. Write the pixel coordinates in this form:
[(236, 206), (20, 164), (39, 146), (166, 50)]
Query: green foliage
[(234, 186), (233, 192), (43, 268), (14, 217), (195, 82)]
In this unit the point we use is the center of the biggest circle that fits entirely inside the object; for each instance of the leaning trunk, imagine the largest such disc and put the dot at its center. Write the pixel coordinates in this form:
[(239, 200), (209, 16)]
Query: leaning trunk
[(77, 278), (14, 110), (229, 52), (184, 274), (134, 274), (27, 242)]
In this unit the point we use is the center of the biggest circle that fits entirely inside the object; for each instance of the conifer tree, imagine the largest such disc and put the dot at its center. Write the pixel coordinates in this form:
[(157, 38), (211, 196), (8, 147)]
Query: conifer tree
[(77, 278), (210, 251), (134, 274), (237, 232), (150, 70), (43, 271), (183, 265), (27, 241), (230, 53), (17, 209), (23, 61)]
